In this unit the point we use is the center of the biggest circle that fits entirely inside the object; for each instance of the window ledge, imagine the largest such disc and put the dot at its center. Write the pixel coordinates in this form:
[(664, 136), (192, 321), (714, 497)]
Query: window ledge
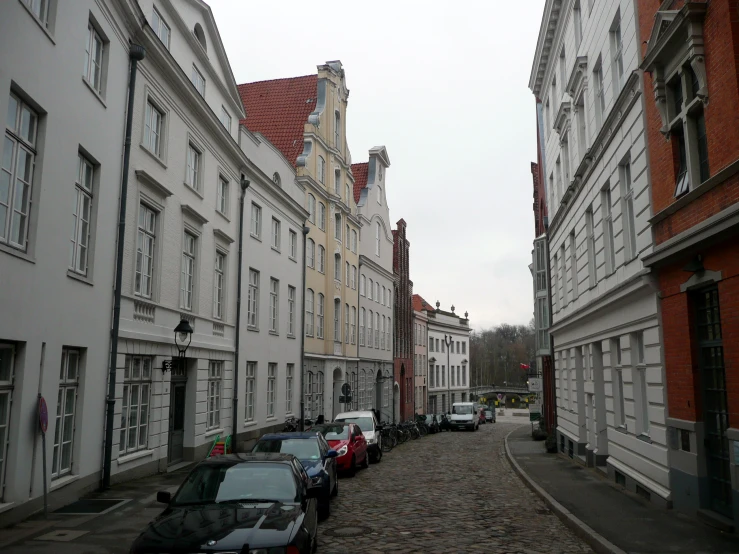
[(17, 253), (41, 25), (156, 158), (94, 92), (134, 456), (192, 189), (224, 216), (213, 432), (622, 429), (276, 250), (4, 507), (255, 237), (293, 258), (645, 438), (78, 277), (63, 481), (270, 419), (274, 333), (291, 336), (251, 423), (250, 328)]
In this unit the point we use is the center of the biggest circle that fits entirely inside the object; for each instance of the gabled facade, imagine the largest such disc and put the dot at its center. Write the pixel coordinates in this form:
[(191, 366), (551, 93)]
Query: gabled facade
[(373, 382), (690, 63), (448, 351), (403, 326), (605, 324)]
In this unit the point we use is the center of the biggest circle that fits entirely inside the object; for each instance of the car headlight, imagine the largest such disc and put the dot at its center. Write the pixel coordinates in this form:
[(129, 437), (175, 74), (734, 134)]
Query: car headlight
[(317, 480), (343, 450), (372, 440)]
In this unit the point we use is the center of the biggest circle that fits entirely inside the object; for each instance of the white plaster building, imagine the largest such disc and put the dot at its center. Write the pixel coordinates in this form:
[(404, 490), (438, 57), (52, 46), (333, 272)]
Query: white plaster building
[(372, 383), (60, 179), (420, 353), (608, 358), (448, 363)]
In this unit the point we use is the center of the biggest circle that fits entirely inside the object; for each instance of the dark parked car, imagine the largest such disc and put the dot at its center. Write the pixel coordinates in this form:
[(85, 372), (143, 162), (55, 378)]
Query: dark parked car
[(318, 459), (432, 423), (490, 416), (237, 503)]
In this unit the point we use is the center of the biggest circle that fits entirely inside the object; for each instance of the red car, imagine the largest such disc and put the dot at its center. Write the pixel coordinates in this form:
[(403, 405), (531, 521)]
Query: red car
[(348, 440)]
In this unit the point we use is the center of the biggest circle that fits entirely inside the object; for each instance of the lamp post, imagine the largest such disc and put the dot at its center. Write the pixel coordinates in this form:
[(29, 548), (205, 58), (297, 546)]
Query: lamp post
[(432, 361), (448, 341), (306, 230)]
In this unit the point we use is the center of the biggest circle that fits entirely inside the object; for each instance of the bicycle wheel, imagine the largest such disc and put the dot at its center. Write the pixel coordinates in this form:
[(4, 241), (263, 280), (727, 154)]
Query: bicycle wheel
[(387, 442), (424, 430)]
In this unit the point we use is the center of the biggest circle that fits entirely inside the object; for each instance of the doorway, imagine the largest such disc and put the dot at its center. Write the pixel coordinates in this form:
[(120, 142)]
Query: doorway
[(713, 389), (177, 393), (338, 407)]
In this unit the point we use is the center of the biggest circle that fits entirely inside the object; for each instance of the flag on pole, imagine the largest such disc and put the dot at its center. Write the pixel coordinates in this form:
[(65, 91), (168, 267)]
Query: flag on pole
[(525, 366)]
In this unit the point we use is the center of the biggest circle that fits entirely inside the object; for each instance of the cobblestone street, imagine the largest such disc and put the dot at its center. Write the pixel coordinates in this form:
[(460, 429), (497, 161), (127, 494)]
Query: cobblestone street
[(449, 492)]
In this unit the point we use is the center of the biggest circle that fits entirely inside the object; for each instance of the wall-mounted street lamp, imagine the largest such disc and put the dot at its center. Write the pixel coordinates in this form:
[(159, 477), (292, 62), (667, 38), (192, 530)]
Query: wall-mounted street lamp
[(182, 340)]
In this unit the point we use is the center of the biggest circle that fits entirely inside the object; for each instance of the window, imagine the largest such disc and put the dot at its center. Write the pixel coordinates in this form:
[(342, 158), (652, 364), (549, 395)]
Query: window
[(321, 216), (354, 241), (369, 329), (226, 122), (274, 305), (65, 413), (192, 172), (437, 345), (618, 387), (321, 170), (271, 378), (347, 338), (377, 329), (252, 303), (215, 376), (431, 344), (153, 127), (134, 428), (443, 345), (218, 285), (321, 259), (563, 276), (312, 209), (443, 376), (562, 68), (362, 285), (275, 234), (80, 241), (337, 130), (346, 274), (581, 117), (337, 227), (160, 28), (610, 249), (354, 277), (39, 8), (600, 97), (346, 237), (222, 196), (348, 196), (94, 58), (590, 238), (641, 387), (251, 372), (627, 210), (198, 80), (573, 265), (378, 298), (309, 313), (464, 347), (451, 376), (369, 290), (337, 183), (377, 238), (188, 271), (319, 316), (310, 253), (458, 347), (293, 244), (337, 267), (17, 167), (362, 325), (145, 243), (6, 393), (541, 265), (431, 379), (577, 19), (256, 221), (617, 55), (387, 335), (308, 392), (337, 320), (290, 311), (353, 325), (289, 388), (382, 334), (547, 113)]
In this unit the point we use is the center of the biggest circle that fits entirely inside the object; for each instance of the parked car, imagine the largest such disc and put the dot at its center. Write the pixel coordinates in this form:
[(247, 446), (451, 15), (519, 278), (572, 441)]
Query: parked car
[(432, 423), (314, 453), (369, 425), (490, 416), (445, 422), (349, 442), (265, 501), (464, 416)]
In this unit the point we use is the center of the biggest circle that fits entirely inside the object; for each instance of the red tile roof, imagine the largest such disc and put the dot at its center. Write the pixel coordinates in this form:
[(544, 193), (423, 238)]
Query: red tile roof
[(279, 110), (419, 304), (360, 178)]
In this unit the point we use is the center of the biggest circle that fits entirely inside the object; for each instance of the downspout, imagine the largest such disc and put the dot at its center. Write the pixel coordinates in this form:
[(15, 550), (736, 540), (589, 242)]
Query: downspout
[(235, 402), (135, 54), (359, 314), (302, 340)]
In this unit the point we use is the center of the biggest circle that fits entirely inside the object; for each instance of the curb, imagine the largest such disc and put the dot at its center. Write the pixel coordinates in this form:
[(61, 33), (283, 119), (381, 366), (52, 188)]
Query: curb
[(595, 540)]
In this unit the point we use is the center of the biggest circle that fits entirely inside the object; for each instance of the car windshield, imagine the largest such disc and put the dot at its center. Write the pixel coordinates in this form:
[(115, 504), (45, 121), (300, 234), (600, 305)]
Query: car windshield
[(488, 412), (462, 409), (429, 418), (302, 449), (333, 432), (250, 481), (365, 423)]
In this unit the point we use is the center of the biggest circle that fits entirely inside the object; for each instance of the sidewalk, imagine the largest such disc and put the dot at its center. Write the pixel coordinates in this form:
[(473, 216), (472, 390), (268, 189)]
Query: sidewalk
[(112, 531), (623, 519)]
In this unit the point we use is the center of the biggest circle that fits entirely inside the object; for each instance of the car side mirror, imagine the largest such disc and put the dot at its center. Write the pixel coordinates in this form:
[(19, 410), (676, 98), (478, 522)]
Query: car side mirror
[(332, 453), (164, 497)]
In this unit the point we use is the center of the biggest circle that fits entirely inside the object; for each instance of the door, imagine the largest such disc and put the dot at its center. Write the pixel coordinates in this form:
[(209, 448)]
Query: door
[(177, 421), (713, 389)]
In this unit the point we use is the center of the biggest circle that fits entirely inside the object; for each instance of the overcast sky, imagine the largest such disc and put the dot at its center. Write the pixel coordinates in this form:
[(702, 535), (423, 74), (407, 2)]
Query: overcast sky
[(444, 86)]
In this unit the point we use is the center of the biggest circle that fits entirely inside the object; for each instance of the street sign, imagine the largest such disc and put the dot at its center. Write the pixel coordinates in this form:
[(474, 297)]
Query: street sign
[(43, 414), (345, 399), (535, 408), (534, 416), (535, 384), (346, 389)]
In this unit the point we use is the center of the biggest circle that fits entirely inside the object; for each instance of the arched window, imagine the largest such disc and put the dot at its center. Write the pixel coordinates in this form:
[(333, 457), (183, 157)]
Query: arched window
[(353, 325), (321, 259), (377, 238), (276, 179), (321, 169), (337, 130), (369, 330), (346, 274), (354, 241), (337, 320), (377, 327), (370, 290), (310, 253), (312, 209), (319, 318), (346, 323), (309, 313), (362, 285), (377, 292), (321, 216), (337, 267), (384, 296), (362, 325), (200, 35), (337, 229), (346, 235)]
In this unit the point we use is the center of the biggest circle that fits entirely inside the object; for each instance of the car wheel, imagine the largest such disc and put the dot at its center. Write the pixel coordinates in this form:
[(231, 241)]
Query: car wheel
[(365, 462), (378, 457), (335, 492), (353, 467), (324, 511)]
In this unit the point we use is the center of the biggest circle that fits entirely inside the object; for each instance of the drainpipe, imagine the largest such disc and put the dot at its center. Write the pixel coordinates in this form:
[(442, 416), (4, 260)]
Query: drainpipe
[(359, 315), (235, 401), (302, 341), (135, 54)]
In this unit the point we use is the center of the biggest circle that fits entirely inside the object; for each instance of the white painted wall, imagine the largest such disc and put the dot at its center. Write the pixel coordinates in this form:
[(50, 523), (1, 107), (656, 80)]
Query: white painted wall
[(439, 325)]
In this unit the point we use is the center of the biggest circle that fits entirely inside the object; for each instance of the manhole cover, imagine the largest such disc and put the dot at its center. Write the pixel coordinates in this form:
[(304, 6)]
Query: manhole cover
[(61, 535), (353, 531), (88, 506)]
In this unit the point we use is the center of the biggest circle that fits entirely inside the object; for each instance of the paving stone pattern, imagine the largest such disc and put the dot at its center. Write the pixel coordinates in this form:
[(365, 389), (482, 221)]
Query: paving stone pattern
[(449, 492)]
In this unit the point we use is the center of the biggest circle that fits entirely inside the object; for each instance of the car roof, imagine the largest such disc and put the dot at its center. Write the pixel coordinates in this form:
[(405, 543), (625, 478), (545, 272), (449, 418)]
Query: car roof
[(291, 435), (362, 413), (249, 457)]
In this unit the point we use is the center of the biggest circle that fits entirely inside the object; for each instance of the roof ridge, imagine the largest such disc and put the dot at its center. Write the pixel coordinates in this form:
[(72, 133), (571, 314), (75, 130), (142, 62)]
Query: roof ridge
[(278, 79)]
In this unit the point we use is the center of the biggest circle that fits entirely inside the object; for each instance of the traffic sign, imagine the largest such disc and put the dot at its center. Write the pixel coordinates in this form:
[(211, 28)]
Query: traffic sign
[(535, 384), (346, 389), (43, 414)]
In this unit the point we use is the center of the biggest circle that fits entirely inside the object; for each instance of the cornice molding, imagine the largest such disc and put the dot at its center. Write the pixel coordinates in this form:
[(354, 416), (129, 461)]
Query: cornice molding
[(223, 236), (578, 77), (547, 31), (194, 214), (153, 183)]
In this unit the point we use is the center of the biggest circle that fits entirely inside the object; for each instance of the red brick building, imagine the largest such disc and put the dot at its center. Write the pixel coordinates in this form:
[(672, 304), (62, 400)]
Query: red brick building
[(691, 90), (403, 343)]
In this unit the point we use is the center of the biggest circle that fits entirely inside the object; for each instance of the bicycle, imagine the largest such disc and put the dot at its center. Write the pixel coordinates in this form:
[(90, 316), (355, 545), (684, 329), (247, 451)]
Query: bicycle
[(388, 441)]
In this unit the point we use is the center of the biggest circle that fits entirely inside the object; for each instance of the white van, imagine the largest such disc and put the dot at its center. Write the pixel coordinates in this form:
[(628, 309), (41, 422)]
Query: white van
[(464, 416)]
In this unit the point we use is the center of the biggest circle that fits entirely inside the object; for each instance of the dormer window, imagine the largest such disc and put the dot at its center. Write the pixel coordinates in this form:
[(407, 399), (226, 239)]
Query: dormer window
[(200, 35)]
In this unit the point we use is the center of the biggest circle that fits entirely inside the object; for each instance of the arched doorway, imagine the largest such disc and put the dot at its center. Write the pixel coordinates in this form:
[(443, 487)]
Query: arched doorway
[(338, 380), (396, 402), (379, 384)]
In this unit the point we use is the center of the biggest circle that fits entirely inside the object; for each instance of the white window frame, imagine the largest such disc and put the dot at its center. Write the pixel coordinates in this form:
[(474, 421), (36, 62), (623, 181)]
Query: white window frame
[(619, 412), (347, 338), (146, 243), (590, 238), (291, 291), (65, 425), (362, 285), (573, 266), (161, 29), (320, 310), (312, 209), (377, 328), (321, 259), (293, 244), (370, 333), (215, 381), (370, 290), (641, 385), (377, 238), (309, 299), (609, 247), (7, 359), (337, 227), (255, 227), (337, 267), (226, 119), (249, 389), (337, 182), (627, 211), (354, 241), (310, 253), (192, 166), (274, 305), (617, 57), (276, 233), (599, 93), (222, 195), (189, 271), (271, 385), (252, 304), (136, 386), (219, 282), (322, 216), (321, 170), (94, 54), (362, 325), (337, 320), (198, 81), (289, 376), (353, 325), (154, 129), (79, 248), (354, 278)]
